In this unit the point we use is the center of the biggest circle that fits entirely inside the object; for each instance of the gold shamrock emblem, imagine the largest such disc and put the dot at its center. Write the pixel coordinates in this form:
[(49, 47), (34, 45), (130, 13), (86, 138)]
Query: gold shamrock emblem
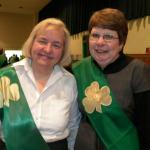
[(95, 97), (8, 91)]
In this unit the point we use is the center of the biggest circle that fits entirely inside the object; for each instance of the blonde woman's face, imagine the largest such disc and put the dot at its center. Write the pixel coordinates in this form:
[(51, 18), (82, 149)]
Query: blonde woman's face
[(48, 47)]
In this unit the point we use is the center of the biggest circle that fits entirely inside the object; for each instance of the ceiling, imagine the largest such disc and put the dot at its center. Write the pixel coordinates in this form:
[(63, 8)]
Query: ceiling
[(22, 6)]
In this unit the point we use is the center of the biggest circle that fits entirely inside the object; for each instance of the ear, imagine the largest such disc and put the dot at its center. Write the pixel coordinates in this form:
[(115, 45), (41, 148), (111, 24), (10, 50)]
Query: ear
[(121, 46)]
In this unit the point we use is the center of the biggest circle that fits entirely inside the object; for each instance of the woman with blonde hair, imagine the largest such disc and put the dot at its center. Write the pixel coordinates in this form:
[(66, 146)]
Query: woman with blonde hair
[(38, 107)]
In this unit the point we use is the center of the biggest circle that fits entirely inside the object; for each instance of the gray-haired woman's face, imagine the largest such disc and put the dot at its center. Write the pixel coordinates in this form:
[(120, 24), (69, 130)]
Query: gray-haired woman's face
[(104, 45)]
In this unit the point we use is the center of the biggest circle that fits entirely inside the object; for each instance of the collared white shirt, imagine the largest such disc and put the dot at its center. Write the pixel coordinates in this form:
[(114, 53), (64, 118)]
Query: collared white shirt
[(54, 110)]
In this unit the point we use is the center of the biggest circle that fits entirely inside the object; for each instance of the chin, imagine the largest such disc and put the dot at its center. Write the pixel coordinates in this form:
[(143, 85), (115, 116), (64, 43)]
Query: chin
[(43, 64)]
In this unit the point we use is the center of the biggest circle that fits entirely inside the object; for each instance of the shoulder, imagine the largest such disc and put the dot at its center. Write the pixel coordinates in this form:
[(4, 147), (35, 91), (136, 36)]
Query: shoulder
[(66, 78), (140, 74), (137, 62), (64, 72), (22, 62), (139, 66), (82, 63), (6, 69)]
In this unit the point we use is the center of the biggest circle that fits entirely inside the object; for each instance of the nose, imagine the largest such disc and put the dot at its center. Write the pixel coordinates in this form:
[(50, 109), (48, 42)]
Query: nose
[(101, 40), (48, 47)]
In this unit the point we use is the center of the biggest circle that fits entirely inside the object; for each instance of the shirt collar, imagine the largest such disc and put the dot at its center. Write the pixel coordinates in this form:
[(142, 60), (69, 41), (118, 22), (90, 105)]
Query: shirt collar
[(117, 65)]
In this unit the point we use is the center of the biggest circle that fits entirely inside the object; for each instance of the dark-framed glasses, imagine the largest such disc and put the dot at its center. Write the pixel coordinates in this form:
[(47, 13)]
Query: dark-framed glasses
[(106, 37)]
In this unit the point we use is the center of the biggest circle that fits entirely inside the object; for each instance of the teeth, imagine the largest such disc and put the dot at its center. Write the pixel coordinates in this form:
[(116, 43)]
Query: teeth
[(100, 51), (45, 55)]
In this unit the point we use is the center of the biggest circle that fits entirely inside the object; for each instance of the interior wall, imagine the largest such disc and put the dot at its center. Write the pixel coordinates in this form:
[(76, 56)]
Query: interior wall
[(15, 28), (139, 36), (137, 42)]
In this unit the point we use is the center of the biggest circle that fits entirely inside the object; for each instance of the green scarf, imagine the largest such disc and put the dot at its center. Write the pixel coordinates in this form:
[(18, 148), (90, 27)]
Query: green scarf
[(20, 131), (110, 123)]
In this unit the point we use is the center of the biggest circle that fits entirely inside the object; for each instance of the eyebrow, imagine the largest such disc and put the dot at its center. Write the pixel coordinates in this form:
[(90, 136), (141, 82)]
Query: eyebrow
[(43, 38), (94, 32)]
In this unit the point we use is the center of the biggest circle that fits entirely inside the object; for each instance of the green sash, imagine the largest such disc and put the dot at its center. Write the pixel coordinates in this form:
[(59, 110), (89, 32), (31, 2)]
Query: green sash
[(109, 121), (20, 131)]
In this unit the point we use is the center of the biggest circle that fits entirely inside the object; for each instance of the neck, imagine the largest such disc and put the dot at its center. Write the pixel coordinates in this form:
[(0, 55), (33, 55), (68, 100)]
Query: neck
[(103, 66), (41, 76)]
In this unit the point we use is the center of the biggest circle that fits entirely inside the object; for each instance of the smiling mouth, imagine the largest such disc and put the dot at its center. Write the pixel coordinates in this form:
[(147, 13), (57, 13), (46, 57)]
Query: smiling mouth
[(45, 55), (101, 51)]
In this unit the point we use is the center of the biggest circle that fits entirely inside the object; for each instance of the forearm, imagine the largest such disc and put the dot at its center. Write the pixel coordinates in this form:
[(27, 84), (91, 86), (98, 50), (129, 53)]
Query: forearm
[(73, 125)]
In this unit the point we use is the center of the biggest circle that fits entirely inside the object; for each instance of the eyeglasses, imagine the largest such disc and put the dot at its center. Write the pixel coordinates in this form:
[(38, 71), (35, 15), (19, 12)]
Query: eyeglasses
[(106, 37)]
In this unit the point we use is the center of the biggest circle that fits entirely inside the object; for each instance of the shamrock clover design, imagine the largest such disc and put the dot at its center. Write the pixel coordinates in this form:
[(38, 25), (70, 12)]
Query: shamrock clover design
[(95, 97), (8, 91)]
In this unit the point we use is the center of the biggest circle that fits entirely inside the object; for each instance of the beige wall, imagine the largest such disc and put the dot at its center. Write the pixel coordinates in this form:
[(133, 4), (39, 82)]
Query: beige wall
[(139, 36), (14, 29), (137, 41), (76, 44)]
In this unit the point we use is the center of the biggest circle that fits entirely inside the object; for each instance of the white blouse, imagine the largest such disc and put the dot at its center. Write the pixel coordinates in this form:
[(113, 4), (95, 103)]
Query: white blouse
[(55, 110)]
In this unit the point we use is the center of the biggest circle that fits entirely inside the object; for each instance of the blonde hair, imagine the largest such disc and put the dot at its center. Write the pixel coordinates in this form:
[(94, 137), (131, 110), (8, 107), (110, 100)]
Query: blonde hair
[(65, 59)]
